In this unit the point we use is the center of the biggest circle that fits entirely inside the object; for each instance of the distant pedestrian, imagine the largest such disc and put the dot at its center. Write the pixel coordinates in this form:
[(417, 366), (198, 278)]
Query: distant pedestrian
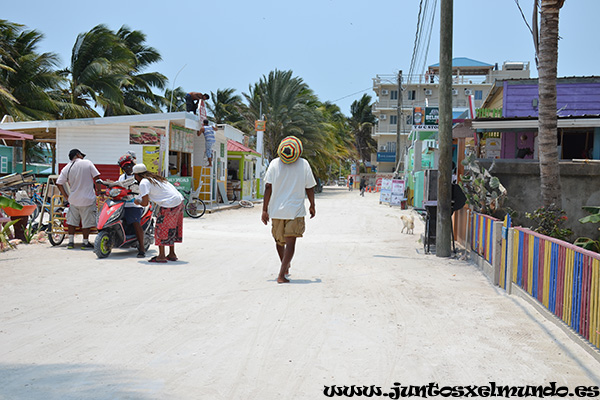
[(350, 183), (193, 99), (81, 176), (209, 139), (288, 181), (169, 223)]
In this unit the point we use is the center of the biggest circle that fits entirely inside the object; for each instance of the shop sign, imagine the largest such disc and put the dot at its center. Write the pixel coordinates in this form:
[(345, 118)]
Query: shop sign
[(151, 158), (145, 134), (182, 184), (181, 139), (432, 116), (260, 125)]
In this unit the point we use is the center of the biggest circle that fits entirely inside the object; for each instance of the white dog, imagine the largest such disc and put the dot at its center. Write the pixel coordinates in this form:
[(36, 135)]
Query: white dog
[(408, 222)]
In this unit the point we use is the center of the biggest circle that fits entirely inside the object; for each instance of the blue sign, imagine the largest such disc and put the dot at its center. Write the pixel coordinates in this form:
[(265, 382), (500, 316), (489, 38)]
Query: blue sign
[(386, 156)]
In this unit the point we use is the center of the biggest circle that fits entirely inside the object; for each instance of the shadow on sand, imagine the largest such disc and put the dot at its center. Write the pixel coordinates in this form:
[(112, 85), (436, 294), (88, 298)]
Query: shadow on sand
[(73, 381)]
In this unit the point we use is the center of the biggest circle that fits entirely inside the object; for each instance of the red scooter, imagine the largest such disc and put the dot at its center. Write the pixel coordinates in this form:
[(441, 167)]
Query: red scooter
[(113, 232)]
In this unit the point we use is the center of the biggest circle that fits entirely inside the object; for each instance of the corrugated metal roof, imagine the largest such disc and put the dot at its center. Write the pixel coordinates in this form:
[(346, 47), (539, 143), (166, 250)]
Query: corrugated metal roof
[(232, 145)]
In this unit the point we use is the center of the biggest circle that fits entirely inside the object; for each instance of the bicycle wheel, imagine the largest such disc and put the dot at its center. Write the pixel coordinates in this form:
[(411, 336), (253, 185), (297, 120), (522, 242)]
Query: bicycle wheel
[(56, 238), (246, 204), (195, 208)]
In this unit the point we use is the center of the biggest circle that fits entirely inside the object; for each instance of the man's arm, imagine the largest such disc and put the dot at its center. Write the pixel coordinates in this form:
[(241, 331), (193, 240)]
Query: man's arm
[(97, 187), (265, 212), (310, 193)]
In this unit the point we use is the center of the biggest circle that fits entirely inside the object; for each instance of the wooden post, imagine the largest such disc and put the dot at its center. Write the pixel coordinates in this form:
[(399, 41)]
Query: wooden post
[(443, 243)]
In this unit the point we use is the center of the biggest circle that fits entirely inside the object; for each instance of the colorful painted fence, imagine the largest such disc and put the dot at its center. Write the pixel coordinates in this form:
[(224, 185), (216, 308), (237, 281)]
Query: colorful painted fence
[(561, 276), (482, 238)]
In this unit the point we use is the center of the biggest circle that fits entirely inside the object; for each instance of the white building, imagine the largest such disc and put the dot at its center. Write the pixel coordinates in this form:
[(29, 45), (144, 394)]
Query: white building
[(394, 107), (166, 142)]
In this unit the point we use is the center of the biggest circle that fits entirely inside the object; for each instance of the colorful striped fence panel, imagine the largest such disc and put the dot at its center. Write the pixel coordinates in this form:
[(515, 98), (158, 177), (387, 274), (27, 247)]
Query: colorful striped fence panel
[(504, 252), (482, 238), (564, 278)]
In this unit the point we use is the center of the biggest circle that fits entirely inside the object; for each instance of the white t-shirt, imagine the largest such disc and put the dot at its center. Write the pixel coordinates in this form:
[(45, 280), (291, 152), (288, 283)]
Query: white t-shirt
[(80, 175), (134, 188), (162, 193), (289, 183)]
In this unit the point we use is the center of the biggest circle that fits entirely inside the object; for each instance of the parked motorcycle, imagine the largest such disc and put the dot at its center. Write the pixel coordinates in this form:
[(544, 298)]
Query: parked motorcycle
[(113, 231)]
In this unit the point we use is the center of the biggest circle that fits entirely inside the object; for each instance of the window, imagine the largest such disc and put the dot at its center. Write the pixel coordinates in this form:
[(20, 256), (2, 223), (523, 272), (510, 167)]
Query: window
[(412, 94), (4, 165), (391, 147), (394, 95), (479, 95), (393, 119)]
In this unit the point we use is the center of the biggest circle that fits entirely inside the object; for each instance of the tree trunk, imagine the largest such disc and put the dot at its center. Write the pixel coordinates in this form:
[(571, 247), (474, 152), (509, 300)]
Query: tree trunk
[(547, 134)]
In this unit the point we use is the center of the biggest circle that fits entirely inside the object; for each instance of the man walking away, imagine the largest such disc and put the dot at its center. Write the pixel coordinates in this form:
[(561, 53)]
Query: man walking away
[(81, 175), (289, 179)]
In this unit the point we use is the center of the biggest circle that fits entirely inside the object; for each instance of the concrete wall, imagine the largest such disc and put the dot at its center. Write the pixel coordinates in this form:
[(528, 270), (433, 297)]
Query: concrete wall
[(579, 182)]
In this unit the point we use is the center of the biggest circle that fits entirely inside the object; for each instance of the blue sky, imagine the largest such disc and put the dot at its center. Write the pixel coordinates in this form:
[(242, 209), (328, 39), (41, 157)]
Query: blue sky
[(335, 46)]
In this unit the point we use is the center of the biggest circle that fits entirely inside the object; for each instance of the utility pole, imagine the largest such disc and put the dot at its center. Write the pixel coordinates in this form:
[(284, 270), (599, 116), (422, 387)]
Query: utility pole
[(443, 238), (399, 119)]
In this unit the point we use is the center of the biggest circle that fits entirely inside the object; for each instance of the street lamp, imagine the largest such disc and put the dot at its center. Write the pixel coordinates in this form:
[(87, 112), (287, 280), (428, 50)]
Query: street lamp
[(173, 87)]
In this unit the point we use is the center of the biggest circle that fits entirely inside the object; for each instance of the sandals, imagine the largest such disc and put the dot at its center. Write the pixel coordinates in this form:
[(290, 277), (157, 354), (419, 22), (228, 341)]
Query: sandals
[(172, 258), (156, 260)]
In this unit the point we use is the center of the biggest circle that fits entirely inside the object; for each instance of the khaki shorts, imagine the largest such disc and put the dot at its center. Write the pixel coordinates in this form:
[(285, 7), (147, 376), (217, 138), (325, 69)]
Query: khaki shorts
[(85, 214), (283, 228)]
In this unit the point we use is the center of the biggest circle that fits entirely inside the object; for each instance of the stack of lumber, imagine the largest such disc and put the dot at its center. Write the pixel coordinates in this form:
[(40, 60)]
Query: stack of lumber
[(17, 179)]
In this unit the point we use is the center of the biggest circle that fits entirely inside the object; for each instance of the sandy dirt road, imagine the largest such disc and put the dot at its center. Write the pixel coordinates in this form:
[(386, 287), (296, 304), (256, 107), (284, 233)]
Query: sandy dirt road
[(365, 307)]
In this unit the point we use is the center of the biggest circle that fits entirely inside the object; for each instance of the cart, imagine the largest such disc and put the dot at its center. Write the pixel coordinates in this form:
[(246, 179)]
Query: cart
[(429, 214), (58, 228)]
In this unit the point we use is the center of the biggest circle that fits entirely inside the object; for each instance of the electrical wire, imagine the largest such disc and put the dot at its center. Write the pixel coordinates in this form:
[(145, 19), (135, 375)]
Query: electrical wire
[(425, 24), (352, 94)]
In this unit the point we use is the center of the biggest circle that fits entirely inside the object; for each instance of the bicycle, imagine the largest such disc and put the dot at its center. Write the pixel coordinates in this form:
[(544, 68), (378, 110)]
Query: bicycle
[(194, 206)]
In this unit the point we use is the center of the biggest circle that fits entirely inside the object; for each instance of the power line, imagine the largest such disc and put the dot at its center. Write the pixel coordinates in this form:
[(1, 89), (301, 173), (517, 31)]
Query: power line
[(345, 97), (425, 20)]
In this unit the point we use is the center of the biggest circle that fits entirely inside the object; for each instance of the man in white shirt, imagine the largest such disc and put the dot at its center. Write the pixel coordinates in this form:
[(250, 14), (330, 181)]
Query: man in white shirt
[(81, 175), (289, 179)]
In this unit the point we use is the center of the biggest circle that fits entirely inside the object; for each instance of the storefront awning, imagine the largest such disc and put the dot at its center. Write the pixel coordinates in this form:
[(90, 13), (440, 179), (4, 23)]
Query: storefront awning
[(10, 135), (504, 123), (232, 145)]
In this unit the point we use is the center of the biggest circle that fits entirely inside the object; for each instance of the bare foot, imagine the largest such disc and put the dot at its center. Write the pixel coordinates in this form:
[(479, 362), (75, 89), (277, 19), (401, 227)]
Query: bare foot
[(283, 279)]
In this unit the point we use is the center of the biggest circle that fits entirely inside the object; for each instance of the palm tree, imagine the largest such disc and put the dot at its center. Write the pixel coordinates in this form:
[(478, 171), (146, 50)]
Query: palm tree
[(137, 91), (338, 142), (7, 31), (225, 107), (547, 68), (100, 67), (361, 124), (174, 100), (27, 77), (289, 107)]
